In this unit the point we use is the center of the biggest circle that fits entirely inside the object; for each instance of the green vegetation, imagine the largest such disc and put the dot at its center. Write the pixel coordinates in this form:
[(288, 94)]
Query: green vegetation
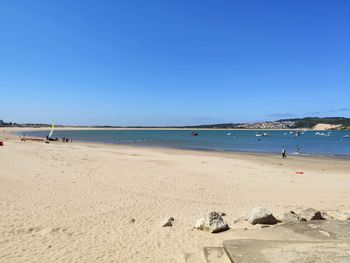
[(13, 124), (309, 122), (4, 124), (298, 123), (213, 126)]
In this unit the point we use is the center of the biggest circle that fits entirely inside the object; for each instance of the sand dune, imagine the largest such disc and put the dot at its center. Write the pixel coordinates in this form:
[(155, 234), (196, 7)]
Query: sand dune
[(325, 126), (74, 202)]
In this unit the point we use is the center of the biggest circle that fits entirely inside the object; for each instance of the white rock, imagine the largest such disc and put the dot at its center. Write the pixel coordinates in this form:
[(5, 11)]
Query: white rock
[(212, 222)]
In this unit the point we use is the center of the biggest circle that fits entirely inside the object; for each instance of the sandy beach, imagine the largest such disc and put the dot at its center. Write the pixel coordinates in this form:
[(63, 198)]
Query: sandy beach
[(74, 202)]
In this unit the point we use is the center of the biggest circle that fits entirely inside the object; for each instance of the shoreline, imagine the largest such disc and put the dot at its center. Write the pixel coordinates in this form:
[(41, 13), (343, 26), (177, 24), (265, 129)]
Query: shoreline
[(69, 128), (182, 150), (10, 131)]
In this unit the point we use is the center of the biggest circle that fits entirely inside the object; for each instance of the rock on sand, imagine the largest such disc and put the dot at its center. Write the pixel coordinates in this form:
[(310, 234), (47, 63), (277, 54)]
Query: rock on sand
[(310, 214), (212, 222), (261, 215)]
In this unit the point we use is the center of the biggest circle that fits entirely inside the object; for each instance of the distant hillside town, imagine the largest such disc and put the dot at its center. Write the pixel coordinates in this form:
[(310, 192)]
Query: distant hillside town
[(268, 125), (334, 123)]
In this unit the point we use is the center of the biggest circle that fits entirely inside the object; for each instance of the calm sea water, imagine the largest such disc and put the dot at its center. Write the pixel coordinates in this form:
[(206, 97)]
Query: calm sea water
[(220, 140)]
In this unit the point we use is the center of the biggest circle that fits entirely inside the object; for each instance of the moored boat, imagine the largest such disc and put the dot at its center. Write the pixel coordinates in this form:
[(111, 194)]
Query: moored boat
[(259, 134), (194, 133)]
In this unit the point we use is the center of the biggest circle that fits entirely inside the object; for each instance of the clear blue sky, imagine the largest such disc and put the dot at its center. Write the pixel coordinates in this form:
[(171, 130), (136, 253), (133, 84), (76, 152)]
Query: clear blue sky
[(173, 62)]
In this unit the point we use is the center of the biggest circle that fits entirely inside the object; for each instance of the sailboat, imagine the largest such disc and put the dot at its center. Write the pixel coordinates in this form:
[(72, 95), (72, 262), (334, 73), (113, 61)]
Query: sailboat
[(49, 137), (52, 127)]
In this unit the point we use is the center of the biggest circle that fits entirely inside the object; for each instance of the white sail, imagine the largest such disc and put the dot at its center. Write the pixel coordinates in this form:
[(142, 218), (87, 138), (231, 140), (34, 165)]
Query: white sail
[(52, 127)]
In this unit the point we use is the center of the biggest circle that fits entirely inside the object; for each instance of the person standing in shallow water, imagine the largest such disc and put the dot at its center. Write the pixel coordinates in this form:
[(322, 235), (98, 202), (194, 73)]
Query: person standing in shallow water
[(284, 153)]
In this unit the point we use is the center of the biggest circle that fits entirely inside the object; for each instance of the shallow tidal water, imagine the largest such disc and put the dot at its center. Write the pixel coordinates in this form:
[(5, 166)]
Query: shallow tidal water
[(333, 143)]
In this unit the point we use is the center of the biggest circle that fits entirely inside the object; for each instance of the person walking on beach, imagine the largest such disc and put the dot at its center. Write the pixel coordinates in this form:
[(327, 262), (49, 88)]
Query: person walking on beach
[(298, 149), (284, 153)]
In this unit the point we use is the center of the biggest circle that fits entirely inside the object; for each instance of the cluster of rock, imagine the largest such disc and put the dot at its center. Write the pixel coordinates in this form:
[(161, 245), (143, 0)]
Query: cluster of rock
[(305, 215), (214, 222)]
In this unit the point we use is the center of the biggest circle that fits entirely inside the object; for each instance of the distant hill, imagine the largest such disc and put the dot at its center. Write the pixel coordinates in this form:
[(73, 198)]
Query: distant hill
[(337, 123), (213, 126), (13, 124), (295, 123), (310, 122), (5, 124)]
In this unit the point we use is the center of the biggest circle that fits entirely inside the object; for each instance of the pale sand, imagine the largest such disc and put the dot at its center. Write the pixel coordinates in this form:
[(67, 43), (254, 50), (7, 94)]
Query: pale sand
[(73, 202), (325, 126)]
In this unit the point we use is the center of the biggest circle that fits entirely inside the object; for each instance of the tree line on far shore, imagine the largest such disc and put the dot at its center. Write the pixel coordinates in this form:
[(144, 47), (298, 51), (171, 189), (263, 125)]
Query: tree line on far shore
[(295, 123)]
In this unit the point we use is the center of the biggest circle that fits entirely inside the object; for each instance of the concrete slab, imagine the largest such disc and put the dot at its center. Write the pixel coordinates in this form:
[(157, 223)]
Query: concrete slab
[(280, 251), (316, 241), (215, 255), (320, 229)]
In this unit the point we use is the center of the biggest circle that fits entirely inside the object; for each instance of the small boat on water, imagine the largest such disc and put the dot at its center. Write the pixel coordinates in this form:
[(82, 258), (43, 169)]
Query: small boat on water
[(229, 134), (297, 134), (346, 136), (323, 134), (259, 134), (194, 133)]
